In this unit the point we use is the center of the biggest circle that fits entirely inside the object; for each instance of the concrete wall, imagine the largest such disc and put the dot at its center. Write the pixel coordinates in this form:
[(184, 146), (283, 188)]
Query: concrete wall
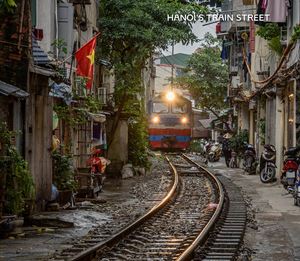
[(46, 20), (243, 116), (118, 150), (162, 80)]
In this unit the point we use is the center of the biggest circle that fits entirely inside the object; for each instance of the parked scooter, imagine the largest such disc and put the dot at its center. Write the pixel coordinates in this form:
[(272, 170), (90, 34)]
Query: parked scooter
[(249, 159), (97, 166), (296, 192), (207, 146), (215, 152), (267, 167), (290, 167)]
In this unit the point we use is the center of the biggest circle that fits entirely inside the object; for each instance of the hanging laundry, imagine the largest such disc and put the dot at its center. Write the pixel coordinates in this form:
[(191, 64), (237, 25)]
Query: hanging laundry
[(264, 5), (278, 11), (261, 9), (224, 53)]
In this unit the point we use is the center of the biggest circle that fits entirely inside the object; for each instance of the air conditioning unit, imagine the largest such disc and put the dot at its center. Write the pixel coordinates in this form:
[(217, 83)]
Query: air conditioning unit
[(101, 94)]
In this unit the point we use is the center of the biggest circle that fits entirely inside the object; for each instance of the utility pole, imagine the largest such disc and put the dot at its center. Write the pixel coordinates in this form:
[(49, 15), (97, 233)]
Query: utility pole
[(172, 76)]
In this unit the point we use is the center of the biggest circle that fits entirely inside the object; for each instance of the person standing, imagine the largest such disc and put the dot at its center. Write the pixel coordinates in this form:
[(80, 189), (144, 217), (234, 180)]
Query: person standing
[(226, 148)]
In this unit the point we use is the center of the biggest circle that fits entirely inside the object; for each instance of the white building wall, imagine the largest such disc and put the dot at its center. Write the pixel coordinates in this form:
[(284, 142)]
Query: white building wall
[(46, 20), (163, 76)]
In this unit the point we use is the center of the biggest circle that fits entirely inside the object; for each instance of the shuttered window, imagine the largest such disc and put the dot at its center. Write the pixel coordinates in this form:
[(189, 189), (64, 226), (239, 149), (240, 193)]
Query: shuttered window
[(65, 14), (33, 13)]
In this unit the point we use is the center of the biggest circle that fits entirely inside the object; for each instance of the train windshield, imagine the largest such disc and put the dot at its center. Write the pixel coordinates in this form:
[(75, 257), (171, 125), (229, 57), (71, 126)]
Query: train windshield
[(179, 108), (159, 107)]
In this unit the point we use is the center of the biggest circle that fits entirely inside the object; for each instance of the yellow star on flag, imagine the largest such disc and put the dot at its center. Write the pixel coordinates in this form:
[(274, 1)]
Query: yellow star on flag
[(91, 57)]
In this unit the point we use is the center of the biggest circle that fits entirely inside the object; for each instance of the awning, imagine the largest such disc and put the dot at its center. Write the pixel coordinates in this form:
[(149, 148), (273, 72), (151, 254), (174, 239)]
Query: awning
[(206, 123), (98, 117), (62, 91), (42, 71), (10, 90)]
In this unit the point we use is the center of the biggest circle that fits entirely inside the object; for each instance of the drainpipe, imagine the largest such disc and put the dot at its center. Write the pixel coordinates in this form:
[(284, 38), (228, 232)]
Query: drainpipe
[(56, 27)]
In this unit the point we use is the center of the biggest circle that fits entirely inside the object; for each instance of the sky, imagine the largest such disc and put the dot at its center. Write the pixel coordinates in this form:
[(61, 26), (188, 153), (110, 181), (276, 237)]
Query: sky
[(199, 30)]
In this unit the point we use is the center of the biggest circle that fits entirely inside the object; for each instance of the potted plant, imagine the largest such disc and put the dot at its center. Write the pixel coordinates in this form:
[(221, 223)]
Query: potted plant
[(236, 143), (63, 176), (18, 191)]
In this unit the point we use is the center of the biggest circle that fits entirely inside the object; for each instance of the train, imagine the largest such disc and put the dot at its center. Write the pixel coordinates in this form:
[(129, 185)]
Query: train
[(170, 122)]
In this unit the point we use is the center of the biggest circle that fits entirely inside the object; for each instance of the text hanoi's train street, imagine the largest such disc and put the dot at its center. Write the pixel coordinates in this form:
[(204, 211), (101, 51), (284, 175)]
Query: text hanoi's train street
[(149, 130)]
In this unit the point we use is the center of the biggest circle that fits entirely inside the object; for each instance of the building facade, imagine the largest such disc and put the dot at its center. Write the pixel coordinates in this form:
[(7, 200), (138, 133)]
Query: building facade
[(263, 83)]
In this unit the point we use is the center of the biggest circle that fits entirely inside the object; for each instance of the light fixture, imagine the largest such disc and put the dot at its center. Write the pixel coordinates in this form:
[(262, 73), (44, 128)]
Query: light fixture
[(184, 120), (291, 120), (155, 119), (170, 96), (291, 95)]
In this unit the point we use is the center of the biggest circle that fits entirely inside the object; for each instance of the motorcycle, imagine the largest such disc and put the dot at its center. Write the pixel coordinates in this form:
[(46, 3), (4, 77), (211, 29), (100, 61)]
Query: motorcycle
[(267, 167), (97, 166), (215, 152), (290, 167), (206, 147), (296, 191), (249, 158)]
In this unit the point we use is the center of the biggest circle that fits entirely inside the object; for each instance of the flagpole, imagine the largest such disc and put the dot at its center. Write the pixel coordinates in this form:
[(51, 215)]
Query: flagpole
[(79, 48), (88, 42)]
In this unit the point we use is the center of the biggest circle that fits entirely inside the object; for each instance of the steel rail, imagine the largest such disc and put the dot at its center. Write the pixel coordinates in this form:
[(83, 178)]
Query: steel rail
[(91, 252), (202, 237)]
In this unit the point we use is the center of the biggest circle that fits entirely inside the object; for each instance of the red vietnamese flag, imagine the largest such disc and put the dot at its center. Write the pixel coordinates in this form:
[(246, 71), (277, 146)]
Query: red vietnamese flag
[(85, 57)]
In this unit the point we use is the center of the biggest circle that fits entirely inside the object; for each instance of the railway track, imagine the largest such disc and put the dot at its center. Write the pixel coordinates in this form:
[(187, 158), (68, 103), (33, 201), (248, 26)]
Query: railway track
[(196, 219)]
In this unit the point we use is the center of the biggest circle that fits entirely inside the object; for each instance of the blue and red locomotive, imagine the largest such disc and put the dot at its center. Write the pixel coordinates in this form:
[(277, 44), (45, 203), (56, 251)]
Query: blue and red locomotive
[(170, 121)]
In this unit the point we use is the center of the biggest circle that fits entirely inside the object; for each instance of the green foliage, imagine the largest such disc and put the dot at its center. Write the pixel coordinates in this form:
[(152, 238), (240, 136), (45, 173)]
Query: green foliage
[(276, 45), (208, 76), (19, 183), (196, 146), (63, 173), (130, 32), (70, 115), (236, 142), (61, 46), (138, 139), (8, 5), (271, 33), (296, 33), (92, 104), (75, 116)]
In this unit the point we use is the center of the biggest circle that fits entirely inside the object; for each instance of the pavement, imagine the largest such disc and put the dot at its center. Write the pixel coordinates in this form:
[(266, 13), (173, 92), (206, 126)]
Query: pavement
[(274, 234), (40, 243)]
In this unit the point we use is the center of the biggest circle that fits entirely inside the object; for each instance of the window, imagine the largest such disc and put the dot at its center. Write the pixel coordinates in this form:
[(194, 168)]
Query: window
[(179, 108), (159, 107), (102, 95), (33, 13)]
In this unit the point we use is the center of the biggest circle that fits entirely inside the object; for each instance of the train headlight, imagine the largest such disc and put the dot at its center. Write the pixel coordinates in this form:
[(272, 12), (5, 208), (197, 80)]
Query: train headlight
[(170, 96), (155, 119), (184, 120)]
